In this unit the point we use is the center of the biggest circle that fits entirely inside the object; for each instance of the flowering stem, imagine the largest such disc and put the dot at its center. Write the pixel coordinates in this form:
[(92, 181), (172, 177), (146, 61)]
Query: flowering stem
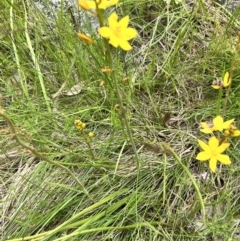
[(122, 116)]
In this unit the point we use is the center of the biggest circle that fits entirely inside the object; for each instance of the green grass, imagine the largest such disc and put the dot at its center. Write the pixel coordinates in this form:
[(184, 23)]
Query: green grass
[(123, 189)]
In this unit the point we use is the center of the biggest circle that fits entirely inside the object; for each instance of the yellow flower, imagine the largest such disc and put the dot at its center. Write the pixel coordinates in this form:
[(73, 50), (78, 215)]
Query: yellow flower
[(91, 134), (102, 4), (85, 38), (219, 83), (118, 32), (232, 131), (213, 152), (216, 125)]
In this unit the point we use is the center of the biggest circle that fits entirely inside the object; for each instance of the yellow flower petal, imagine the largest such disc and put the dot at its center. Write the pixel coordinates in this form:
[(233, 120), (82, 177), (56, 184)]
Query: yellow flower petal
[(103, 4), (224, 159), (105, 32), (216, 87), (223, 147), (84, 5), (213, 143), (111, 3), (207, 127), (226, 80), (204, 125), (217, 121), (92, 4), (125, 45), (236, 133), (213, 164), (203, 145), (124, 22), (207, 130), (112, 20), (227, 124), (203, 156), (114, 41), (130, 33)]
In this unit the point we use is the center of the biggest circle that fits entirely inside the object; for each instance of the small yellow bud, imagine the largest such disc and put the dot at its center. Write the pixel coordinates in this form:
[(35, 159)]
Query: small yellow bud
[(233, 127), (91, 134), (102, 83), (107, 70), (79, 128), (77, 122), (116, 107), (83, 125), (125, 80), (227, 133), (85, 38)]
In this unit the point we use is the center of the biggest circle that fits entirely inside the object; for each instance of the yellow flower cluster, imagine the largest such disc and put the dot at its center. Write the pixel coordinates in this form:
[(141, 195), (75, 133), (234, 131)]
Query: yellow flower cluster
[(215, 147), (117, 32), (232, 131), (80, 125)]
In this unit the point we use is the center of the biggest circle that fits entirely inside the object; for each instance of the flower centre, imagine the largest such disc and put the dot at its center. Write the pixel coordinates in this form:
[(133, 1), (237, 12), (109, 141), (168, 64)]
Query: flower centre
[(117, 31), (214, 153)]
